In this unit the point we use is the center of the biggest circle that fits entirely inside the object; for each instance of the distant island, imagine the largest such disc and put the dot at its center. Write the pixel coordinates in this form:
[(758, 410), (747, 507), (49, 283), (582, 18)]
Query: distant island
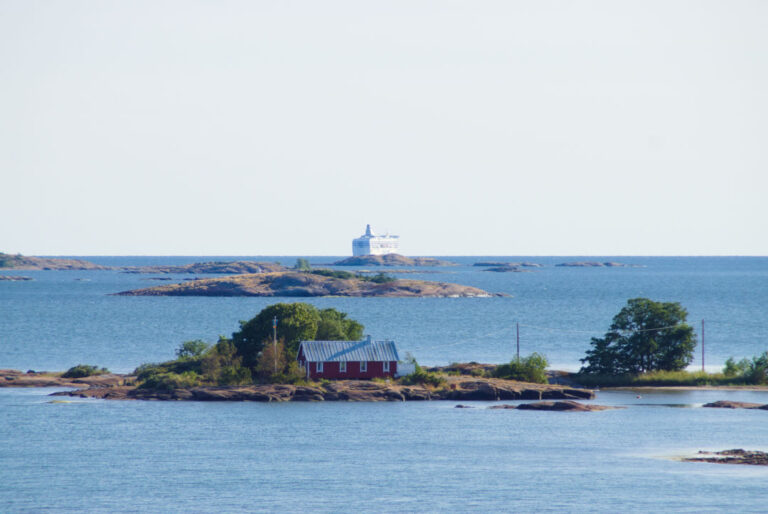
[(307, 284), (21, 262), (391, 259), (213, 267), (595, 264), (499, 264)]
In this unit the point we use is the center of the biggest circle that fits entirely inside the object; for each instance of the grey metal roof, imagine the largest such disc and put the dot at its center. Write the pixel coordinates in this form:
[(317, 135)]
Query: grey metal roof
[(344, 351)]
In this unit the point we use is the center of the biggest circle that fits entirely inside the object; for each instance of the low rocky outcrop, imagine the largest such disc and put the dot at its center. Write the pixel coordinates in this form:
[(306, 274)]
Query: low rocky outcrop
[(14, 278), (595, 264), (299, 284), (391, 259), (18, 261), (503, 264), (567, 406), (736, 456), (214, 267), (726, 404), (16, 378), (509, 269)]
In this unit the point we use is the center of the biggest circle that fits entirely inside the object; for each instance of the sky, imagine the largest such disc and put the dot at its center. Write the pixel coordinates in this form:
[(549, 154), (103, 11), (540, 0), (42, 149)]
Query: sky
[(478, 127)]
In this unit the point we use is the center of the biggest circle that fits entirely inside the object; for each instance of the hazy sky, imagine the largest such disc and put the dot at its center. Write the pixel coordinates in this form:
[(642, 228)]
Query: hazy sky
[(467, 127)]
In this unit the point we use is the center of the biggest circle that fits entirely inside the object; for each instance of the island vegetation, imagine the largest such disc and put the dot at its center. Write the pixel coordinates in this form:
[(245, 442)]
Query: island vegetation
[(650, 344), (392, 259)]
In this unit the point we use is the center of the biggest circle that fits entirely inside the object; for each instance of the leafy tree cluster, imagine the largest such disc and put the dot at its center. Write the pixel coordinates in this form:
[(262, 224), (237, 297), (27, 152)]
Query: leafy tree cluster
[(644, 336), (379, 278), (750, 371), (296, 322), (302, 265), (250, 355), (532, 368), (84, 370)]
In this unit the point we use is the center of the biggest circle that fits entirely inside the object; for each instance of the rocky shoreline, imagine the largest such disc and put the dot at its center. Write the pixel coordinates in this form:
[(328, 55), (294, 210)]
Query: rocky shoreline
[(123, 387)]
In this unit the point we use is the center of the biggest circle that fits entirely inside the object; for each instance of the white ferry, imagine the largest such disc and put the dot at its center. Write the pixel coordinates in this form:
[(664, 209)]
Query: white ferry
[(371, 244)]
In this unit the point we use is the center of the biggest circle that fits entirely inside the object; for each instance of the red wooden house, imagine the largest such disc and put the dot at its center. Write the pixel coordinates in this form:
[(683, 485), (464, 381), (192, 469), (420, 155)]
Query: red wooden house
[(348, 359)]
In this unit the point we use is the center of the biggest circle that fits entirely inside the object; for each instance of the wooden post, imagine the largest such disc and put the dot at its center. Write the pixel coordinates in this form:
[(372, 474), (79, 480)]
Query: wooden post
[(702, 345)]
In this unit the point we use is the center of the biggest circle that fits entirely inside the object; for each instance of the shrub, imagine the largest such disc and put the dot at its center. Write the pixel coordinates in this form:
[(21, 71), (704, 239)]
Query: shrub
[(84, 370), (421, 376), (170, 381), (191, 349), (528, 369)]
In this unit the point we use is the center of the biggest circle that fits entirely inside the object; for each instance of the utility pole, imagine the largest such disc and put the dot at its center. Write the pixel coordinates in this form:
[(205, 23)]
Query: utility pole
[(702, 345), (517, 326), (274, 340)]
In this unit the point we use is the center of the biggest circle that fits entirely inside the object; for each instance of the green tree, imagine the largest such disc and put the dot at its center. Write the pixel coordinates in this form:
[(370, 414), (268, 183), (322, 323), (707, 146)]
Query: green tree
[(191, 349), (644, 336), (336, 326), (296, 322), (532, 368), (303, 265)]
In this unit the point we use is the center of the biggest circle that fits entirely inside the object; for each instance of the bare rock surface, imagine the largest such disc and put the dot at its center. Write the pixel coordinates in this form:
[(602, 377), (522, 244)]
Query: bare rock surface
[(298, 284), (726, 404), (569, 406)]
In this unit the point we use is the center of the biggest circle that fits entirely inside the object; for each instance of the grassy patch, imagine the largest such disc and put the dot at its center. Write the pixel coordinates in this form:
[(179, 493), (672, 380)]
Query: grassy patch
[(658, 379)]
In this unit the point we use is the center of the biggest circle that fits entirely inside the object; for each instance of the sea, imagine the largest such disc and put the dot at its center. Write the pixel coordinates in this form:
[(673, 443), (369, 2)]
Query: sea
[(67, 455)]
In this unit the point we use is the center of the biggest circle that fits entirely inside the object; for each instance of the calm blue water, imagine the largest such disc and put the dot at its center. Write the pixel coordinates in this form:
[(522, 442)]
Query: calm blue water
[(205, 457), (58, 321), (149, 456)]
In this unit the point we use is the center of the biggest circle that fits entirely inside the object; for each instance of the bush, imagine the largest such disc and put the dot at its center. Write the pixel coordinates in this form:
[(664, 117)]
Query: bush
[(84, 370), (191, 349), (528, 369), (422, 377), (170, 381)]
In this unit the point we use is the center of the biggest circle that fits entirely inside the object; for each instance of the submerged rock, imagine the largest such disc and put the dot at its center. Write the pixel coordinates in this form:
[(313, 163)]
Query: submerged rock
[(726, 404)]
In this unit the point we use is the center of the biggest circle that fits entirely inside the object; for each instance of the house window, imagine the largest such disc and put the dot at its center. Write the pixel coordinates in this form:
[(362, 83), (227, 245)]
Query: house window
[(319, 367), (364, 367), (386, 366), (342, 367)]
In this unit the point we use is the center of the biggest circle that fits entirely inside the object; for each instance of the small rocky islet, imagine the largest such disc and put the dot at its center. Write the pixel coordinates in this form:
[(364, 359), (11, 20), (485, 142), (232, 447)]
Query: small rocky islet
[(462, 388), (735, 456)]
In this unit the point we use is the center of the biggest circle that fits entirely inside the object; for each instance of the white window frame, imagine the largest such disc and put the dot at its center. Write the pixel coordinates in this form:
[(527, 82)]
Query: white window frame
[(319, 367), (343, 367), (386, 366), (363, 366)]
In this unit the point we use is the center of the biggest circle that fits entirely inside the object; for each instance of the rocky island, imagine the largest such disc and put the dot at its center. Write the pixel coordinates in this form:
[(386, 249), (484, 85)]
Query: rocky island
[(213, 267), (307, 284), (21, 262), (736, 456), (391, 259)]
